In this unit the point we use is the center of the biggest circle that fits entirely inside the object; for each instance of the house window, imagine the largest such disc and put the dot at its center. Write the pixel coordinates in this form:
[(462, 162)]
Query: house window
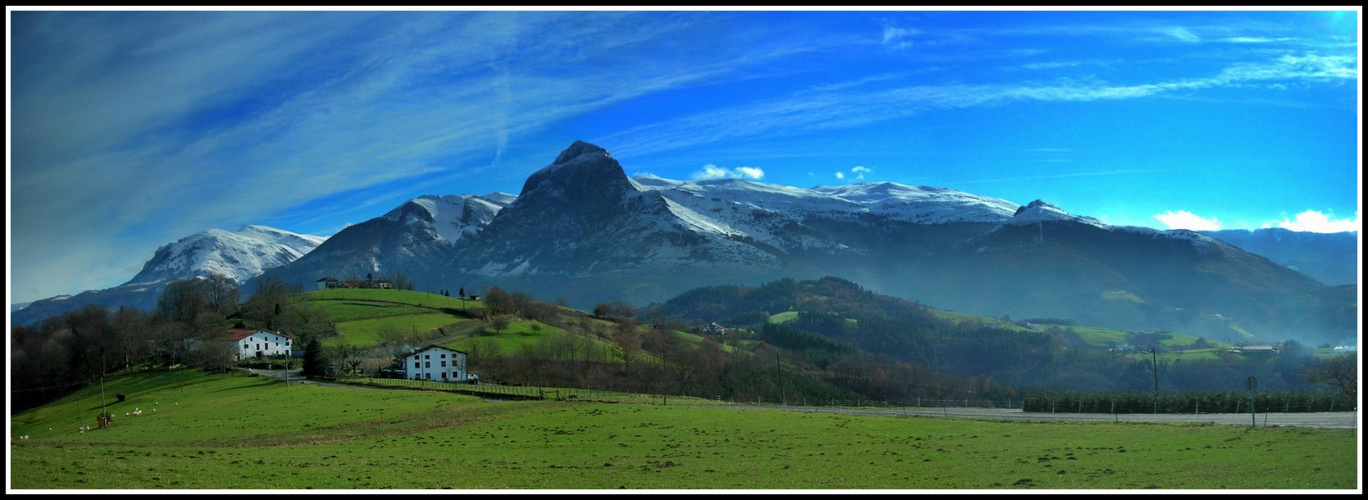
[(444, 355), (415, 364), (444, 364), (427, 356), (428, 375), (444, 375), (428, 363)]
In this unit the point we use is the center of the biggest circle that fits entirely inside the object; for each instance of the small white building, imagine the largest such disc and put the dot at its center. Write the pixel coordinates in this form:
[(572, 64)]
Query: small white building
[(247, 343), (435, 362)]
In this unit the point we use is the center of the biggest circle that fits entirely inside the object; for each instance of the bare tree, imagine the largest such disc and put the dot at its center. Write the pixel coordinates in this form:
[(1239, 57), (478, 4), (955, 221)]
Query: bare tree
[(221, 293), (1339, 371)]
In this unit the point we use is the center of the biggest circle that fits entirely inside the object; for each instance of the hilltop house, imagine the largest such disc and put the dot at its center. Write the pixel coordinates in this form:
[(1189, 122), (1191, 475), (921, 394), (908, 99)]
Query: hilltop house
[(714, 329), (435, 362), (249, 342), (327, 283)]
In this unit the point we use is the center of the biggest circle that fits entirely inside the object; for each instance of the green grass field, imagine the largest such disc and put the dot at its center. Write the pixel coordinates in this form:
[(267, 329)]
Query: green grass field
[(367, 331), (240, 432)]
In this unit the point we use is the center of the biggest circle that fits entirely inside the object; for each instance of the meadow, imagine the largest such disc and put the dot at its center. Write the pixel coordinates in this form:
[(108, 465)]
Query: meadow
[(201, 431)]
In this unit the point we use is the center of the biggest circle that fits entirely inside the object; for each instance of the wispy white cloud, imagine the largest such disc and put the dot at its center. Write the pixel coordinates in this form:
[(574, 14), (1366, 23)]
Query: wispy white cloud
[(1181, 33), (1184, 219), (1254, 39), (711, 171), (1316, 222), (840, 175), (153, 126), (816, 110), (898, 38)]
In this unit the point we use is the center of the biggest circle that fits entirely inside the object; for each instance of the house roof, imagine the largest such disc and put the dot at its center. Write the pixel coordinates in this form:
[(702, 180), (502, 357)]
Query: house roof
[(242, 333), (327, 279), (434, 346)]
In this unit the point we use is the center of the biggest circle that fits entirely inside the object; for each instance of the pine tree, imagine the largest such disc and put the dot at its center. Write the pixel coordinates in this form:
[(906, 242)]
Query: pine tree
[(315, 362)]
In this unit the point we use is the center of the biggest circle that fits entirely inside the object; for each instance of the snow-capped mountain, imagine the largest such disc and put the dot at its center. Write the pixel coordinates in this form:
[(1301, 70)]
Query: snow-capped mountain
[(413, 238), (239, 255), (582, 230), (582, 215)]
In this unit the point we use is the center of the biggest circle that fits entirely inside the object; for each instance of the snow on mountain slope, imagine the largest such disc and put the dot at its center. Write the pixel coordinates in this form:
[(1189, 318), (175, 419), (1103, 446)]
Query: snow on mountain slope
[(454, 216), (924, 205), (1040, 211), (239, 255)]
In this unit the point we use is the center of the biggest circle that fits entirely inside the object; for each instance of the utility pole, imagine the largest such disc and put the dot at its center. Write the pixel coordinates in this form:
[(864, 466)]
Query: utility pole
[(1155, 361), (103, 412), (779, 370)]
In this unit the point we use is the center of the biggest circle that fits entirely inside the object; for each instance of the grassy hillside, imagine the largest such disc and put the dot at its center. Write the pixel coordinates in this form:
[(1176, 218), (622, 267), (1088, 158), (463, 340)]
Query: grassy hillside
[(239, 432), (360, 314)]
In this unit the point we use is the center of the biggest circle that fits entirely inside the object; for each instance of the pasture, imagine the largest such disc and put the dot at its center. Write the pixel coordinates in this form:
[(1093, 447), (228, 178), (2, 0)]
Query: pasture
[(240, 432), (360, 314)]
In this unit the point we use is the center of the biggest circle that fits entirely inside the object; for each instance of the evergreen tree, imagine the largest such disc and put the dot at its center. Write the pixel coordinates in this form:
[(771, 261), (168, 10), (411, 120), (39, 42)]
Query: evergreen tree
[(315, 361)]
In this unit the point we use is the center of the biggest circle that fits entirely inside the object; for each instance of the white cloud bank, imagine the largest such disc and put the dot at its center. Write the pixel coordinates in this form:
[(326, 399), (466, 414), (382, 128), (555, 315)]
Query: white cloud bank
[(1316, 222), (1309, 221), (1184, 219), (711, 171)]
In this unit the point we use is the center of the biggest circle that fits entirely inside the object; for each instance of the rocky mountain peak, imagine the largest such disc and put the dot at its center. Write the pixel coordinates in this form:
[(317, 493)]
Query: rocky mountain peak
[(582, 173), (1038, 204), (578, 149)]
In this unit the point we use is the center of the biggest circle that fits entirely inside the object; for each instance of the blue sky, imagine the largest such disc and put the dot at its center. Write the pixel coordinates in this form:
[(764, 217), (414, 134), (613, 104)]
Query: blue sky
[(132, 129)]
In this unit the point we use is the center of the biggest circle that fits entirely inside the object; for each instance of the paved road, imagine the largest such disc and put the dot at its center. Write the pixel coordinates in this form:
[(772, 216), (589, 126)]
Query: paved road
[(1332, 420)]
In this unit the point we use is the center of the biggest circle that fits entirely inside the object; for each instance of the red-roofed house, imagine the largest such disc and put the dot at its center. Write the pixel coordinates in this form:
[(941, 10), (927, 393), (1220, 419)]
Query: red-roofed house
[(248, 342)]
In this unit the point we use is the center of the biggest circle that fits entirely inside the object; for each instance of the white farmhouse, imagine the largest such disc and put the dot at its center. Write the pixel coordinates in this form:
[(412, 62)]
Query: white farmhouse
[(435, 362), (248, 343)]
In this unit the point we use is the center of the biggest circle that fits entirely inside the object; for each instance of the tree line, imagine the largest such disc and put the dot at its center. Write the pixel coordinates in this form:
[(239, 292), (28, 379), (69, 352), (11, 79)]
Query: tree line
[(63, 353)]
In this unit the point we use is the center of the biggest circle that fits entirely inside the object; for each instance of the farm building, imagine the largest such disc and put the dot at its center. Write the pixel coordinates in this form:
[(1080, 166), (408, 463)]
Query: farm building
[(435, 362), (327, 283), (249, 342)]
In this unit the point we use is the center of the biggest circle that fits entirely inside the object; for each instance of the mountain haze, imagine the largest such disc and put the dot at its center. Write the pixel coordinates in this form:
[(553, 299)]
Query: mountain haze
[(240, 256), (583, 231)]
